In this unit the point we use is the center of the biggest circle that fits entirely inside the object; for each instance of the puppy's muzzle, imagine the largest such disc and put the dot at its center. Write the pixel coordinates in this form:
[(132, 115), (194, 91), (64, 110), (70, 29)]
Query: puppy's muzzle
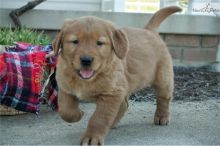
[(86, 61)]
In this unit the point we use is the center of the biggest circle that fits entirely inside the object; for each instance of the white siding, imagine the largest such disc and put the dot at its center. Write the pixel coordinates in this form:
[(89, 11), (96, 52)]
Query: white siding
[(75, 5)]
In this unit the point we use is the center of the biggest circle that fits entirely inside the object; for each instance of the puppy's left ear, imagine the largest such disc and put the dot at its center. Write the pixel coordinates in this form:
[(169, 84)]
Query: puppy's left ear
[(119, 43)]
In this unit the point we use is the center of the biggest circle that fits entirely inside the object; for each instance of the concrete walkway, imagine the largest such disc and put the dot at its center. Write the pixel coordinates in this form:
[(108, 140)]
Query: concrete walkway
[(193, 123)]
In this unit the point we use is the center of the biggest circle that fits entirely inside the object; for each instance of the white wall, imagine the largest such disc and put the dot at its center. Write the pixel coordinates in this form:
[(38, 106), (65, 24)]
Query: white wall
[(75, 5), (178, 24), (195, 7)]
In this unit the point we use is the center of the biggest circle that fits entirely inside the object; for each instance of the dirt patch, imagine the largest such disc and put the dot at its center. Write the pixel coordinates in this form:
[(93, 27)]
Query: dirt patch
[(191, 84)]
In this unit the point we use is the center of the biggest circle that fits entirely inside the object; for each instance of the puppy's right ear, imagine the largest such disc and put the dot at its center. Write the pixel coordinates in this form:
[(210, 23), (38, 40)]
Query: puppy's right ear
[(57, 43)]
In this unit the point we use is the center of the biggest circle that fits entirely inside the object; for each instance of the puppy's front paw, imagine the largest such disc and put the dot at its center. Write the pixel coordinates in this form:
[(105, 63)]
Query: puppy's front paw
[(71, 116), (161, 118), (92, 140)]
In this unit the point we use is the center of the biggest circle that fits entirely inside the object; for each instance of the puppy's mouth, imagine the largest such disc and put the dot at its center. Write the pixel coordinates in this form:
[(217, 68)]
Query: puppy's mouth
[(86, 73)]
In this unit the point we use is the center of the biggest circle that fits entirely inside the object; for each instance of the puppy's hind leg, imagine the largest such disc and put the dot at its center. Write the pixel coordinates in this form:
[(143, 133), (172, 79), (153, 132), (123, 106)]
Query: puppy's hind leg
[(121, 112), (164, 90), (69, 107)]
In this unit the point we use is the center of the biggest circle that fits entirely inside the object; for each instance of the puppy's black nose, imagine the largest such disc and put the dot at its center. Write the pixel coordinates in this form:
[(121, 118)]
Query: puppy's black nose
[(86, 61)]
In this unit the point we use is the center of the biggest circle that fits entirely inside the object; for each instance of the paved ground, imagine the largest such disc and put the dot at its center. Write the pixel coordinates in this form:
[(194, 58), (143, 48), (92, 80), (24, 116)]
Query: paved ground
[(193, 123)]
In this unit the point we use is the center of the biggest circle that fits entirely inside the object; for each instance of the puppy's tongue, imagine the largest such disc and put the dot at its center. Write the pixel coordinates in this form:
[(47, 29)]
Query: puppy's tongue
[(86, 73)]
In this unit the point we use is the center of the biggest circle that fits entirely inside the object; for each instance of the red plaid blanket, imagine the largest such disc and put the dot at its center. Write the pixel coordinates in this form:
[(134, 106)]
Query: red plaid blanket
[(21, 69)]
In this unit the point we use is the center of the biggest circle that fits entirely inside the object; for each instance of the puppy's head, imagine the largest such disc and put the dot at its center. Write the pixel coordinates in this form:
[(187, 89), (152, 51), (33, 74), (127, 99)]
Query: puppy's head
[(89, 44)]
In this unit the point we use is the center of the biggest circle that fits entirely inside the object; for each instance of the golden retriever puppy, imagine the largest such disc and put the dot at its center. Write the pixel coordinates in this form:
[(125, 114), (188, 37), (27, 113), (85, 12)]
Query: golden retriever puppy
[(98, 62)]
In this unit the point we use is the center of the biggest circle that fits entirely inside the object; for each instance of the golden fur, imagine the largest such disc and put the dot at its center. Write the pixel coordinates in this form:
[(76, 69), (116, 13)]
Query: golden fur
[(125, 60)]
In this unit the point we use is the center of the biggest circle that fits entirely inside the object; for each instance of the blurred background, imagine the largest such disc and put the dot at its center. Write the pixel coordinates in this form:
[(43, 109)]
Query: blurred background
[(194, 7)]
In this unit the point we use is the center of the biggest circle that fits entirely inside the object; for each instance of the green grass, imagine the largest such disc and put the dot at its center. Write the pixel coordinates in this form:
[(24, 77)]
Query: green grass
[(10, 35)]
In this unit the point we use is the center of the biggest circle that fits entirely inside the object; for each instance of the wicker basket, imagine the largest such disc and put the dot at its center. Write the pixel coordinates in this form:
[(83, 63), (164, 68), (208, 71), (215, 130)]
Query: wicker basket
[(8, 111)]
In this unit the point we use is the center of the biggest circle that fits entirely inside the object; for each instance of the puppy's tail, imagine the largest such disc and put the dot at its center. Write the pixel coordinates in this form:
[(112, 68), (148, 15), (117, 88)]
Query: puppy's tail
[(160, 15)]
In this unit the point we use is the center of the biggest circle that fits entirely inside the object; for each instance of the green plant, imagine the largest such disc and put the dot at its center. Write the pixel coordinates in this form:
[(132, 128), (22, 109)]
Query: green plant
[(10, 35)]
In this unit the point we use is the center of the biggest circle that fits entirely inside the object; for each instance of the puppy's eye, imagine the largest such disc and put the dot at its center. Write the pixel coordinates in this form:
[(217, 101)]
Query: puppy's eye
[(76, 42), (99, 43)]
